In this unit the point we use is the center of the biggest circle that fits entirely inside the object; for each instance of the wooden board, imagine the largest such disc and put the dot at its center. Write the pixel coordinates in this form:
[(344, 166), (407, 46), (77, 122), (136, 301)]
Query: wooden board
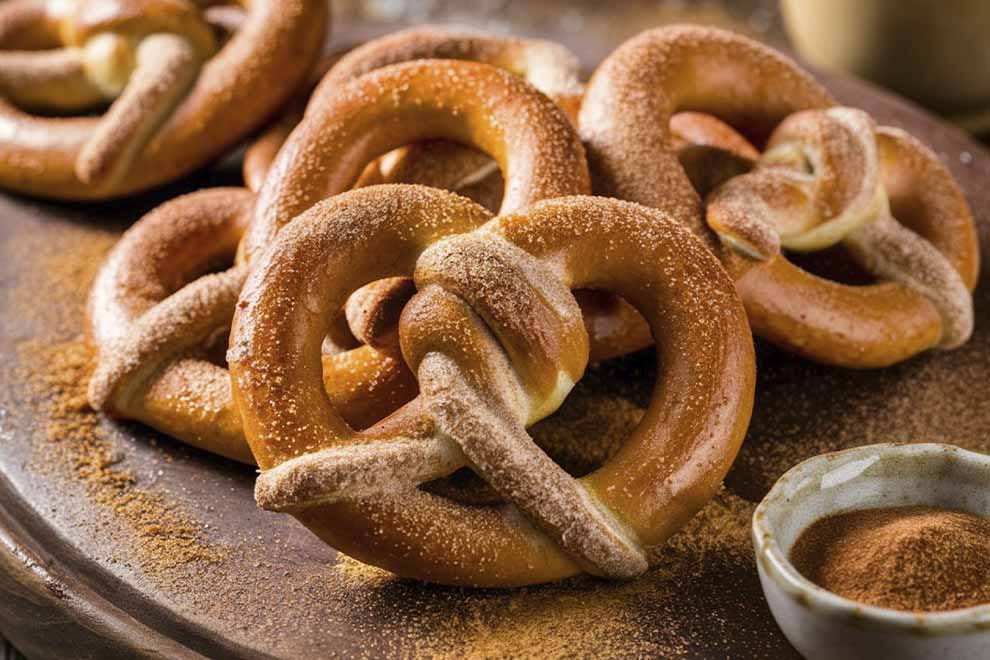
[(81, 559)]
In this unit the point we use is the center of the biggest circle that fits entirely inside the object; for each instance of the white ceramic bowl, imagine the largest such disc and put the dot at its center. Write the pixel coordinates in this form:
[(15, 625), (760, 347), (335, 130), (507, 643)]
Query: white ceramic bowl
[(821, 624)]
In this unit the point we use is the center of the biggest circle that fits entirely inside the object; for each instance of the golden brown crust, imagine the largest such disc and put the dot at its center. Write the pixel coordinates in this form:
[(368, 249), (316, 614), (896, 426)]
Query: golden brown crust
[(235, 90), (472, 103), (154, 317), (626, 121), (261, 153), (480, 390)]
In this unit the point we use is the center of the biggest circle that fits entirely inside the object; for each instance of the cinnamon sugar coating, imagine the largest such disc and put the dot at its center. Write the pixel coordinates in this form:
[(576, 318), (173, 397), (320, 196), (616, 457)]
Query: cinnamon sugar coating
[(821, 180), (686, 442)]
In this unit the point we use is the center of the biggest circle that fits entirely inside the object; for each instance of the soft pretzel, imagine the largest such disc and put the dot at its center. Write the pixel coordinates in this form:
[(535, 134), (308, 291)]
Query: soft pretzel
[(546, 65), (156, 321), (476, 104), (550, 67), (148, 310), (497, 342), (922, 302), (178, 98)]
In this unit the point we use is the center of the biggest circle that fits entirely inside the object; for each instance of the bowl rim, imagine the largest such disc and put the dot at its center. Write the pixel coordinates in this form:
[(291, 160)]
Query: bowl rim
[(776, 565)]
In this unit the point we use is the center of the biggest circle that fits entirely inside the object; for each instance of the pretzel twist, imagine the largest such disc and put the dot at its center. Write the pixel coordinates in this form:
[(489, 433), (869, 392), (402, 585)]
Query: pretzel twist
[(920, 303), (842, 199), (177, 97), (150, 309), (497, 342)]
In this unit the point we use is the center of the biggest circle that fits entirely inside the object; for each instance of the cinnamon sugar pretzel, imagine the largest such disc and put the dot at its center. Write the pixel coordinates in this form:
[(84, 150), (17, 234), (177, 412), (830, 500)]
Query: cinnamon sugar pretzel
[(157, 322), (924, 298), (497, 342), (548, 66), (153, 313), (177, 97), (822, 180)]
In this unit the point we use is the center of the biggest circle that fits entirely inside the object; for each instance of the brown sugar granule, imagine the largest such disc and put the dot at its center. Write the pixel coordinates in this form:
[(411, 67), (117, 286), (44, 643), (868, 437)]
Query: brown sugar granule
[(916, 558)]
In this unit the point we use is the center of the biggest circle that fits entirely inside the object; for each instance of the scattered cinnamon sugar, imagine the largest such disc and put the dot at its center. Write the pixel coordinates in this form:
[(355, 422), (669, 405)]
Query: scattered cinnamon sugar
[(914, 558), (803, 409), (53, 369), (74, 441), (688, 605)]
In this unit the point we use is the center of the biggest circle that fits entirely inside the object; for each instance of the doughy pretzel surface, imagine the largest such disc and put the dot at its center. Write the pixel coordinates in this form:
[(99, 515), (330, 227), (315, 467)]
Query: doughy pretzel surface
[(816, 185), (497, 342), (178, 97)]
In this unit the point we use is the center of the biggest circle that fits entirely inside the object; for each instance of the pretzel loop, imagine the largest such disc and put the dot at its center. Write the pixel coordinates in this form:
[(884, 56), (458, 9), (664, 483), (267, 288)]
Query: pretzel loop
[(166, 78), (817, 184), (155, 318), (482, 334), (472, 103)]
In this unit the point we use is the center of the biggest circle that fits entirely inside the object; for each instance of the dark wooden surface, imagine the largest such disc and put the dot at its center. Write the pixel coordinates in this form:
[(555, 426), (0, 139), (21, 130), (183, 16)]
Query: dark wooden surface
[(70, 583)]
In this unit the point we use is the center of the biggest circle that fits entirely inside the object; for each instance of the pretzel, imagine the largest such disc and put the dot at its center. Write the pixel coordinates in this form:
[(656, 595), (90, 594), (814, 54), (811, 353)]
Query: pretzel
[(549, 67), (496, 341), (178, 99), (149, 313), (923, 300), (155, 319), (918, 304)]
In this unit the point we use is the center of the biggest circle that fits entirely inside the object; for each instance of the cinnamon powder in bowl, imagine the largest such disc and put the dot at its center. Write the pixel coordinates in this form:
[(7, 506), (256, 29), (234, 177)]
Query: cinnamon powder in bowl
[(912, 558), (871, 552)]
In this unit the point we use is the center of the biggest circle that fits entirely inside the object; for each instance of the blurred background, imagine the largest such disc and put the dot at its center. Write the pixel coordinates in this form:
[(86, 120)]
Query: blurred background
[(936, 52)]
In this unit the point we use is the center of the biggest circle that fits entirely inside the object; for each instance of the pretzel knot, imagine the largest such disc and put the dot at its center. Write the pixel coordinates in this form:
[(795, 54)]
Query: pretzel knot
[(160, 66), (497, 341), (818, 183)]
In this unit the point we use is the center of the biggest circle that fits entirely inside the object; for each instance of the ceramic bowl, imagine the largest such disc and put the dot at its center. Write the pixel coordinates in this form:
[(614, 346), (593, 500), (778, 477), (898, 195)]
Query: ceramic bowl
[(821, 624)]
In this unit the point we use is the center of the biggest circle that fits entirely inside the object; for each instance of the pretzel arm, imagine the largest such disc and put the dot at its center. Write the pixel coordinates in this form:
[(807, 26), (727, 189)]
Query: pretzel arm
[(892, 251), (167, 66), (746, 212), (502, 452), (353, 471), (201, 308), (48, 80)]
